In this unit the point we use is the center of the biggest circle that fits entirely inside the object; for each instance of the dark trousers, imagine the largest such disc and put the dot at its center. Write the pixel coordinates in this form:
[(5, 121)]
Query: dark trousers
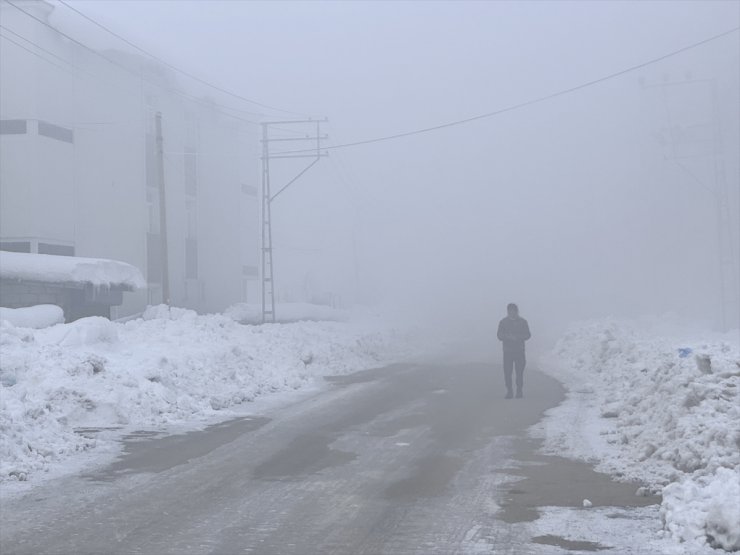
[(514, 360)]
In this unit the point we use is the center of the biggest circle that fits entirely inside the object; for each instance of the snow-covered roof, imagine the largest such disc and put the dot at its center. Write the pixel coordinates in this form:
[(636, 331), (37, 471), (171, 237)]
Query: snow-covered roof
[(69, 269)]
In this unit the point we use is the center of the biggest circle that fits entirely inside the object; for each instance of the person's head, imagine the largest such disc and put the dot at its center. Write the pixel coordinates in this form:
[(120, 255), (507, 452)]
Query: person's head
[(512, 310)]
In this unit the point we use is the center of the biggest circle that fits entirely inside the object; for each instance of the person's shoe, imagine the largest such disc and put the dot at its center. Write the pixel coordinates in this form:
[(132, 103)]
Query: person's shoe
[(519, 394), (508, 395)]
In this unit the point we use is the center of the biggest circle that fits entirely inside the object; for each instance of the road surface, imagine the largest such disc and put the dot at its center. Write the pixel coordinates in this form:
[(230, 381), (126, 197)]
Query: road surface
[(409, 459)]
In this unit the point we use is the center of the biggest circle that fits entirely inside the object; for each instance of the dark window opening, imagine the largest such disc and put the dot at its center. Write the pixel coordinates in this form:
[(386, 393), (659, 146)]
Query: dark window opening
[(153, 258), (152, 176), (56, 132), (250, 190), (15, 246), (191, 171), (13, 127), (191, 258), (250, 271), (60, 250)]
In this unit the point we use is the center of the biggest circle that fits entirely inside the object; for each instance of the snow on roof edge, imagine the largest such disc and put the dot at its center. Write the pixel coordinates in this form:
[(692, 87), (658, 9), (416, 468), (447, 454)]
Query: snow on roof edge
[(51, 268)]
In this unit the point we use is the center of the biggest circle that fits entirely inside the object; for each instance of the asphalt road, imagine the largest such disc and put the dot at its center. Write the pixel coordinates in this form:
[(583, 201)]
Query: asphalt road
[(409, 459)]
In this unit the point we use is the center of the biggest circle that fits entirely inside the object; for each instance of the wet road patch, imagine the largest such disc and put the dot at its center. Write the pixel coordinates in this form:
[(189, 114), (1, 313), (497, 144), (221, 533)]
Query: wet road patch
[(307, 454), (550, 481), (570, 545), (145, 451)]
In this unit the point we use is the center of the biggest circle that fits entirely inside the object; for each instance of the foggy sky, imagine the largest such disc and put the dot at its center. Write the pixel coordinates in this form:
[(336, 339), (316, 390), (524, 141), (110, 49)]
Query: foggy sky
[(568, 207)]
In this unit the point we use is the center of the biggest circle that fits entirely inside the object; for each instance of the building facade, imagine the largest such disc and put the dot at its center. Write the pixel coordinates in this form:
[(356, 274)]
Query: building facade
[(80, 170)]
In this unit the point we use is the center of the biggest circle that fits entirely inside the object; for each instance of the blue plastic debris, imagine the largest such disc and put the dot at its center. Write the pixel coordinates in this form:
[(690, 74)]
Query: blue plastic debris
[(685, 352)]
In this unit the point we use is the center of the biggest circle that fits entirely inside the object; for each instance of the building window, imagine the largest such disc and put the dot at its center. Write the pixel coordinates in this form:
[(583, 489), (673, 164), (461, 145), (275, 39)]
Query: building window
[(250, 271), (250, 190), (153, 258), (191, 214), (191, 171), (59, 250), (56, 132), (191, 258), (13, 127), (15, 246), (152, 175)]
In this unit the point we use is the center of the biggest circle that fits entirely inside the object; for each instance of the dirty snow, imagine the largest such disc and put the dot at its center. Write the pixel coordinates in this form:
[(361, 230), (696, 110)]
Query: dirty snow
[(657, 403)]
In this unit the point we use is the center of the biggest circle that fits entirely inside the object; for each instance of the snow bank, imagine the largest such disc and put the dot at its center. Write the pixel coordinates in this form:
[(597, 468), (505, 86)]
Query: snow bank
[(170, 366), (658, 408), (287, 312), (705, 508), (39, 316), (65, 269)]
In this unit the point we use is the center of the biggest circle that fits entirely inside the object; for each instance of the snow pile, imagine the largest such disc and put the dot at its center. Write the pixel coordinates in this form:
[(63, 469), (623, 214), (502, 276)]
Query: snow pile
[(659, 408), (245, 313), (705, 508), (39, 316), (170, 366), (51, 268)]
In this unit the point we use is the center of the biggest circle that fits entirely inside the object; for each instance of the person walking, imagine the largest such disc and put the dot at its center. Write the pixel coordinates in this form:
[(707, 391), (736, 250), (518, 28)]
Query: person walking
[(513, 331)]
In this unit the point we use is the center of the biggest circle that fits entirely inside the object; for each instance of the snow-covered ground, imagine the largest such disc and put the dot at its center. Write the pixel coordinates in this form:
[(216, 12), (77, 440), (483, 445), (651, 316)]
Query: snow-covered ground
[(245, 313), (169, 367), (659, 404), (645, 402)]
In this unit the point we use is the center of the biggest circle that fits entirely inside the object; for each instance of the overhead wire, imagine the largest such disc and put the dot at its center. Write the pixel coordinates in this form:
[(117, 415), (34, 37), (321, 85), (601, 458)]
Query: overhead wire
[(47, 60), (424, 130), (65, 61), (49, 52), (526, 103), (74, 68), (174, 91), (178, 69), (89, 73), (76, 125)]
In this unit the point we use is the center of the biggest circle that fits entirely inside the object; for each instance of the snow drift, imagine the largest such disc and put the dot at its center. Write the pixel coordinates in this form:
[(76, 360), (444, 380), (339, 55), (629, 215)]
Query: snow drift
[(245, 313), (169, 366), (39, 316), (51, 268), (661, 407)]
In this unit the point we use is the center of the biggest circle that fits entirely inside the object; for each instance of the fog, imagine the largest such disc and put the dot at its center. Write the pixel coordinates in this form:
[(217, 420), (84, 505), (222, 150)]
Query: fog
[(573, 207)]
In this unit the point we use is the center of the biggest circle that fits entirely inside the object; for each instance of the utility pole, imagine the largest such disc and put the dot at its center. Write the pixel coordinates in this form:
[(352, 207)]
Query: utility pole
[(728, 290), (267, 269), (727, 268), (162, 214)]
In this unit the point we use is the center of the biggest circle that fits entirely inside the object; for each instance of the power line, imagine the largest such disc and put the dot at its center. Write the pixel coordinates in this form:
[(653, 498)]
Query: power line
[(4, 28), (693, 176), (67, 62), (527, 102), (97, 77), (134, 73), (47, 60), (50, 53), (175, 68), (65, 69)]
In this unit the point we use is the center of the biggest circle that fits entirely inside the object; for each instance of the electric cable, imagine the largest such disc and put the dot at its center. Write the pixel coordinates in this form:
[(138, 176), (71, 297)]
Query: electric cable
[(180, 70), (526, 103), (47, 60), (134, 73)]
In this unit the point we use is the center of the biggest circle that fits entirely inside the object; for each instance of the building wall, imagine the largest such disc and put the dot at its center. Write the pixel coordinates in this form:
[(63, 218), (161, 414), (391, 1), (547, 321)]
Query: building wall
[(99, 193), (76, 300)]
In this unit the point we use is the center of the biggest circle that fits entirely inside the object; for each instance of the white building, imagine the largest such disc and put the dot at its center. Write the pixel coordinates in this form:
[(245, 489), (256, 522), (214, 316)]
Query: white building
[(79, 166)]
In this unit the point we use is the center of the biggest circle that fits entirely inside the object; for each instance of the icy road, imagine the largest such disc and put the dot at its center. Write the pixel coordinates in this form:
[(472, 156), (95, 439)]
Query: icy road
[(409, 459)]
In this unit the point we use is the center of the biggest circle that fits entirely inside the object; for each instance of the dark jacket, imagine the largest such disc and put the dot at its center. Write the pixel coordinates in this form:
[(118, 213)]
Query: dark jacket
[(513, 332)]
